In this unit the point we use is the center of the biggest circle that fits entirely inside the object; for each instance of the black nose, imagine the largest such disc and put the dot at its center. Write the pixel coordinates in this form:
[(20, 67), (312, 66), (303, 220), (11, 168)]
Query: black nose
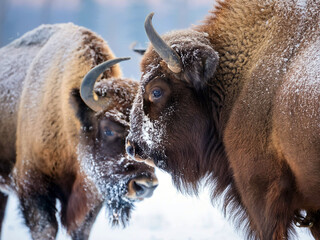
[(130, 150), (143, 190)]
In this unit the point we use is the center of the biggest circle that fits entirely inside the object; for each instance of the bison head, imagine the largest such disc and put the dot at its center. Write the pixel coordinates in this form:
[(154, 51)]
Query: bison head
[(103, 109), (171, 118)]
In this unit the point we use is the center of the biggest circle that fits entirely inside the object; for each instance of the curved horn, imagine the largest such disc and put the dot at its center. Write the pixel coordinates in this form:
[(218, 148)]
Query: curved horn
[(164, 50), (87, 93)]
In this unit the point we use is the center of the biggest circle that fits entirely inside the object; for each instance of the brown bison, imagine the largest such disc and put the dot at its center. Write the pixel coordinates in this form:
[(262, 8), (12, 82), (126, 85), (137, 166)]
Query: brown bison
[(235, 101), (60, 142)]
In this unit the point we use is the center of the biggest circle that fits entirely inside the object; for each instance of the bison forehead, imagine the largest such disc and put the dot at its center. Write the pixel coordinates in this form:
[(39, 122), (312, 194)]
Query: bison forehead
[(152, 70), (118, 116), (150, 133), (180, 39), (123, 90), (187, 43), (186, 36), (122, 93)]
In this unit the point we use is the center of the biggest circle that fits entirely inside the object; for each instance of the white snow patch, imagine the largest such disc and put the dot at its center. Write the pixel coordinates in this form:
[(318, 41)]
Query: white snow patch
[(118, 116), (152, 132), (302, 4)]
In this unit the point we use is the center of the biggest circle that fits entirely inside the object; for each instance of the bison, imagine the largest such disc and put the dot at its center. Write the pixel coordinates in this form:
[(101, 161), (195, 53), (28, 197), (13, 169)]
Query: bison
[(234, 101), (60, 142)]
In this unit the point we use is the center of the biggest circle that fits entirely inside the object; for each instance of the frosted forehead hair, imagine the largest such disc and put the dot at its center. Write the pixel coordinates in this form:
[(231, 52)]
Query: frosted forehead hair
[(123, 94), (122, 89), (186, 36), (118, 116), (177, 40)]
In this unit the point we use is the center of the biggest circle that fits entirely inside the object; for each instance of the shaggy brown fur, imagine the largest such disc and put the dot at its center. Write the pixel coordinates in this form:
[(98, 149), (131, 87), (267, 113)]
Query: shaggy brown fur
[(244, 113), (65, 151)]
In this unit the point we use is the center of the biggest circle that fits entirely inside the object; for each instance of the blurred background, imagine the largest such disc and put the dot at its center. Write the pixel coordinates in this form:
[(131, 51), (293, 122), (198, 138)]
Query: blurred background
[(119, 22), (168, 214)]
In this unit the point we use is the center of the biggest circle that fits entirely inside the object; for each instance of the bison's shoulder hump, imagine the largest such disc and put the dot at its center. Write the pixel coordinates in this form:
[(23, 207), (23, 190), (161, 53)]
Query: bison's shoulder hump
[(40, 35)]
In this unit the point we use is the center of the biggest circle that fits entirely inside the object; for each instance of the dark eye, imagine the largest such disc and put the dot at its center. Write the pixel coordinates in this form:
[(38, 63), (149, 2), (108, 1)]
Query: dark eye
[(156, 94), (109, 133)]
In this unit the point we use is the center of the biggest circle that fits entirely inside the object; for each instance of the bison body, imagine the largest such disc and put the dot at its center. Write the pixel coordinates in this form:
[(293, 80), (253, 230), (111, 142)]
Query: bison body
[(53, 146), (235, 101)]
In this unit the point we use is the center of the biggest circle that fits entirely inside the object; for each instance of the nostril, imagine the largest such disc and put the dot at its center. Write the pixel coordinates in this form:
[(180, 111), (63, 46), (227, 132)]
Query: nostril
[(143, 189), (139, 188), (130, 150)]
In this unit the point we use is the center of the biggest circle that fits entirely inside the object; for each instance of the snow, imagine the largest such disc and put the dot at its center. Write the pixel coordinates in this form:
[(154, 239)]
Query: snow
[(302, 4), (167, 215), (20, 53), (111, 187), (152, 132), (38, 36)]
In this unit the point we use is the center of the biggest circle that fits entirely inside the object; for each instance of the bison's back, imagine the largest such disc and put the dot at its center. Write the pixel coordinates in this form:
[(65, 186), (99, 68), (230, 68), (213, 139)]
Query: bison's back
[(14, 63)]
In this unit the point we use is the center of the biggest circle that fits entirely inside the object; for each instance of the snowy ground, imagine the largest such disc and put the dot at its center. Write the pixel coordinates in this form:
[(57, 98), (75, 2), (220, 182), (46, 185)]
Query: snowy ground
[(168, 215)]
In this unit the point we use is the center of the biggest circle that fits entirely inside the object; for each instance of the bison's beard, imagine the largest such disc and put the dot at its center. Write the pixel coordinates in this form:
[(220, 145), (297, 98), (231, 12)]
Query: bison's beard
[(118, 207), (111, 184)]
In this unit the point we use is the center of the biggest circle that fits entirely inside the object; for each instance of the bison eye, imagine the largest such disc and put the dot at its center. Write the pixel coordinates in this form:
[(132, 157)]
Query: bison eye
[(109, 133), (156, 94)]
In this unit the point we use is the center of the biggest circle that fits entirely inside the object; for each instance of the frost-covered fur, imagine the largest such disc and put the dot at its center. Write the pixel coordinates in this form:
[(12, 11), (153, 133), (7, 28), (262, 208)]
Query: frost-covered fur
[(251, 125), (52, 146)]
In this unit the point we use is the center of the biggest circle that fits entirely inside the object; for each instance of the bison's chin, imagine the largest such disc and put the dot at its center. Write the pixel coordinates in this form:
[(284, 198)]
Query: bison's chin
[(118, 206), (119, 211), (182, 165)]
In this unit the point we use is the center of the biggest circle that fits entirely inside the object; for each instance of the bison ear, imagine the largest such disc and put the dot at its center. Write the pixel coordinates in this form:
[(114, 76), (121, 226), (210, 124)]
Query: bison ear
[(200, 66), (82, 111)]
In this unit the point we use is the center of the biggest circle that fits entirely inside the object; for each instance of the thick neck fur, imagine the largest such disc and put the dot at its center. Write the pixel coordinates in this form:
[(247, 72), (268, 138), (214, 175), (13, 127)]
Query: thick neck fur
[(242, 31), (236, 29), (236, 41)]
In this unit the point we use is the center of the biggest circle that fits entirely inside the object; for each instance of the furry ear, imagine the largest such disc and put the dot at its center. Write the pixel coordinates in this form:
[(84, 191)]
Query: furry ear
[(82, 111), (199, 65)]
